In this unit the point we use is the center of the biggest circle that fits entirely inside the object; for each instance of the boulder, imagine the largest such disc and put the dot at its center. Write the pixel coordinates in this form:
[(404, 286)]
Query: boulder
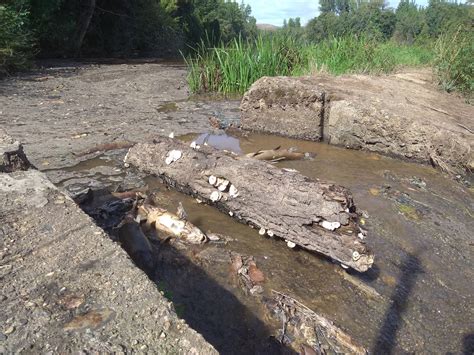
[(284, 106), (401, 115)]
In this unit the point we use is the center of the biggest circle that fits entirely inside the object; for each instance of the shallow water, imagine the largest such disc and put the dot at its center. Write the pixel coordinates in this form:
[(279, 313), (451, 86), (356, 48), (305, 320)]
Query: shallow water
[(416, 298)]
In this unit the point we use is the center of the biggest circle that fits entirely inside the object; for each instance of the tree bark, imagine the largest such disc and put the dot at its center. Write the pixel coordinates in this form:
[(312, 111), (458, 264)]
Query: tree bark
[(279, 202), (83, 25)]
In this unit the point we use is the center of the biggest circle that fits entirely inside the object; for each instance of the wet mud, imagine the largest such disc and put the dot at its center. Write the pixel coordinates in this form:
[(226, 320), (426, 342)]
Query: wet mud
[(416, 298), (420, 224)]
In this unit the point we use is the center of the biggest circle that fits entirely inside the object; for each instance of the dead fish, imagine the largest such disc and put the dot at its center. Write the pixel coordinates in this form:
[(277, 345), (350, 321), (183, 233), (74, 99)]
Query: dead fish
[(171, 224), (136, 245), (128, 194), (368, 290), (278, 154)]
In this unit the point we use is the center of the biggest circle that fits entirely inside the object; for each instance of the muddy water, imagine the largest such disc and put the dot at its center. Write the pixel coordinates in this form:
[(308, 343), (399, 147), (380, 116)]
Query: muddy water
[(417, 297)]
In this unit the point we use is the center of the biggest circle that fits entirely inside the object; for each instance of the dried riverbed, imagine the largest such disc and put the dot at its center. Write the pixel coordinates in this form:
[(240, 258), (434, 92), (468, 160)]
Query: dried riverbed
[(417, 298)]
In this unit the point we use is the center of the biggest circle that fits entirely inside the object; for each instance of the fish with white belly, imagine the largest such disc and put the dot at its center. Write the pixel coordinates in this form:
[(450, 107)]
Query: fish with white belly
[(170, 224)]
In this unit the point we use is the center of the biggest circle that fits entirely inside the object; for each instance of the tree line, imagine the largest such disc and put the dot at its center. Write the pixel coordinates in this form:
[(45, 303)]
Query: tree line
[(115, 27), (164, 27), (406, 24)]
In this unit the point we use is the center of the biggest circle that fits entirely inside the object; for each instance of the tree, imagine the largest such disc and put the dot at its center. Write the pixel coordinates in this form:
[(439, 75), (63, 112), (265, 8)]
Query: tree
[(409, 21)]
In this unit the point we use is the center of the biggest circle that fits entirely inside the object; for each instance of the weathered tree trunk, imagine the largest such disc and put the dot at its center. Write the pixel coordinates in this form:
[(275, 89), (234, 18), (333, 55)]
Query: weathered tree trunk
[(12, 156), (279, 202), (83, 25)]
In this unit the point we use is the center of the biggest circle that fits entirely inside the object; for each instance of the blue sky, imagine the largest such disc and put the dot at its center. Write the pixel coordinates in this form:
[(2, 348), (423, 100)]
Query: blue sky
[(274, 11)]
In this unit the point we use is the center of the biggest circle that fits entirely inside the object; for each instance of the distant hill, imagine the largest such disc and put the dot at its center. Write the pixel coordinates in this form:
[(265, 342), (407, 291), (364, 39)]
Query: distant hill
[(267, 27)]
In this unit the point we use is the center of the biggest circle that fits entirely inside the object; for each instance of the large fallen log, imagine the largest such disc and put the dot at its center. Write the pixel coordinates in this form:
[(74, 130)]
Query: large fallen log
[(314, 215)]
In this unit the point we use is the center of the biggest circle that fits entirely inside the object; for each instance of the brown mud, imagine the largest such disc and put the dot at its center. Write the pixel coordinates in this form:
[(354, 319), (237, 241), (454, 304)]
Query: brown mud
[(415, 299)]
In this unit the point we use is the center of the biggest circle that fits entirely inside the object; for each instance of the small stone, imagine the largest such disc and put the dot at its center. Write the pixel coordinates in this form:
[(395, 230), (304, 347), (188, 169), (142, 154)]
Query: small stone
[(212, 180), (255, 274), (290, 244), (215, 196), (143, 347), (256, 290), (330, 225), (173, 156), (163, 335), (233, 192), (9, 330), (231, 213), (262, 231), (213, 237), (223, 185), (355, 256)]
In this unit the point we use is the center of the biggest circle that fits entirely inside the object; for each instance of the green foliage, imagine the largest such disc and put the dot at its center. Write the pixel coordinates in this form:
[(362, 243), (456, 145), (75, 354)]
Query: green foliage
[(410, 21), (16, 45), (343, 18), (453, 63), (233, 68)]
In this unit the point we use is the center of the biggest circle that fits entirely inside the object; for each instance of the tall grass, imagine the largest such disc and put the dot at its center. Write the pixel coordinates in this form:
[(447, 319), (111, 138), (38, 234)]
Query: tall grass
[(234, 67), (454, 61)]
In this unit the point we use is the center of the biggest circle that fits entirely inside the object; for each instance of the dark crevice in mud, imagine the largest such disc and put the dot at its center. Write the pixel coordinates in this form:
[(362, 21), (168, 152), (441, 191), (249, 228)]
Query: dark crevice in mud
[(323, 119), (211, 309), (206, 306)]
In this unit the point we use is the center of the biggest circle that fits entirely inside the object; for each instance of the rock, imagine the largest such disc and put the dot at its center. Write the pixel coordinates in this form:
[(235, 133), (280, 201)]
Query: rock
[(391, 115), (284, 106), (256, 275), (12, 157)]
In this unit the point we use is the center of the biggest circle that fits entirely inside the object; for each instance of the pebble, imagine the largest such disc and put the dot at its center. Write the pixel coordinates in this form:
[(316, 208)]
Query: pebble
[(163, 335), (9, 330)]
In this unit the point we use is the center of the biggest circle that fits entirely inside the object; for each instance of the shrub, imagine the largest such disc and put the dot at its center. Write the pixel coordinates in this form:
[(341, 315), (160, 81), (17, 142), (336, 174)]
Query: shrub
[(453, 63), (16, 45)]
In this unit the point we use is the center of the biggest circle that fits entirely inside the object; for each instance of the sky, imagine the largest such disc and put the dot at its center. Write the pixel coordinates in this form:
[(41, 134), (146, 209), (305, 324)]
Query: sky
[(274, 11)]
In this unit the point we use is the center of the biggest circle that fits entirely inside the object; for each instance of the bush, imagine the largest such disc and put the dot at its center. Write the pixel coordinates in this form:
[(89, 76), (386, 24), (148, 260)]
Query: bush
[(16, 45), (453, 63)]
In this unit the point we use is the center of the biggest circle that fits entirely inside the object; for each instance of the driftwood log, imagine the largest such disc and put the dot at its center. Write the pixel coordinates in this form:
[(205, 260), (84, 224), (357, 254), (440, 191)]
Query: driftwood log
[(314, 215)]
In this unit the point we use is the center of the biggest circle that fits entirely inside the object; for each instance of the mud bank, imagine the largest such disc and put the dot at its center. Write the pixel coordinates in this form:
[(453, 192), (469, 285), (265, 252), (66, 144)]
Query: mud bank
[(66, 287), (402, 115), (67, 108)]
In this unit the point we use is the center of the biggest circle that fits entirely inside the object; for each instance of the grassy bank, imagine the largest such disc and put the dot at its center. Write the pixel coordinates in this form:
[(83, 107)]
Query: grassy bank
[(233, 68)]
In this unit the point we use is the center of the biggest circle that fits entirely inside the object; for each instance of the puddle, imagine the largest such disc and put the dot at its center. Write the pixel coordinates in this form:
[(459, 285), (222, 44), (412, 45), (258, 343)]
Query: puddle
[(420, 227), (168, 107)]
